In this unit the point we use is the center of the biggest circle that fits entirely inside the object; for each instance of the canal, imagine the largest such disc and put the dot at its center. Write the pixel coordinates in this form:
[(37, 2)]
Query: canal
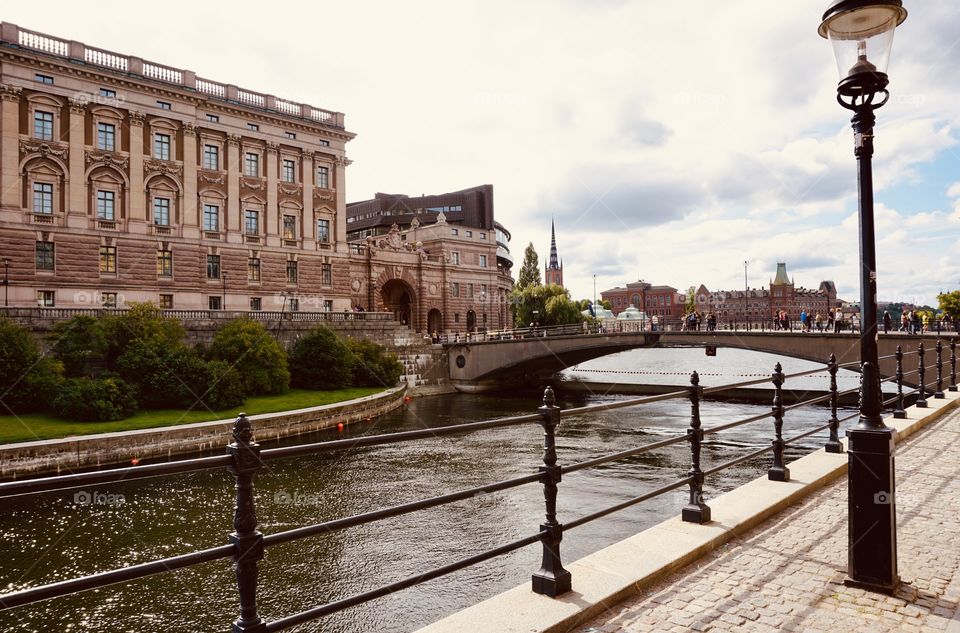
[(60, 535)]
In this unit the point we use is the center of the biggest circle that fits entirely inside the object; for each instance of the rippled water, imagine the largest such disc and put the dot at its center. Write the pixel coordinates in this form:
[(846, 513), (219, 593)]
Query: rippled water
[(50, 537)]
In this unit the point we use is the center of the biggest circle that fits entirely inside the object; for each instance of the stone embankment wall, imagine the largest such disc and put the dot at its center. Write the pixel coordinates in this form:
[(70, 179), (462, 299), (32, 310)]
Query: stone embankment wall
[(60, 456)]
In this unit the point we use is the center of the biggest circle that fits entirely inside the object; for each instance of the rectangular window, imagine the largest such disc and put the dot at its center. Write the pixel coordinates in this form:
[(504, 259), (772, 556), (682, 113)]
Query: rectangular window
[(108, 299), (213, 267), (455, 257), (483, 261), (251, 222), (161, 146), (211, 157), (253, 127), (108, 259), (44, 79), (253, 269), (293, 304), (166, 302), (455, 288), (161, 211), (106, 92), (287, 171), (43, 198), (251, 165), (326, 274), (483, 236), (164, 263), (323, 231), (211, 217), (214, 303), (163, 106), (289, 227), (454, 232), (213, 118), (45, 252), (324, 143), (105, 205), (45, 298), (292, 272), (43, 125), (469, 233), (323, 177), (256, 304), (106, 136), (290, 135), (328, 305)]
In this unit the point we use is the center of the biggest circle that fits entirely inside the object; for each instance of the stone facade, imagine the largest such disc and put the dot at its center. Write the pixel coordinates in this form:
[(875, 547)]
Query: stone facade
[(661, 301)]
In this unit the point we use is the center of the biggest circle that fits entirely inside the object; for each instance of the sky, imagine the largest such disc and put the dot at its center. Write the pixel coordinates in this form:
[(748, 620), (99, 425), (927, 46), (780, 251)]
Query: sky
[(668, 141)]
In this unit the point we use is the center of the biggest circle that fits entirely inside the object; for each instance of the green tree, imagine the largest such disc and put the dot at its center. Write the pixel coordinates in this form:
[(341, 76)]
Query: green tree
[(320, 360), (144, 322), (79, 344), (949, 304), (257, 357), (373, 366), (529, 274), (606, 304), (691, 303), (28, 381), (545, 305)]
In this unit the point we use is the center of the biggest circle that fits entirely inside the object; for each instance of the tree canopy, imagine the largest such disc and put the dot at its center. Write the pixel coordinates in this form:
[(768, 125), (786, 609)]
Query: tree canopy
[(949, 304), (529, 274), (545, 305)]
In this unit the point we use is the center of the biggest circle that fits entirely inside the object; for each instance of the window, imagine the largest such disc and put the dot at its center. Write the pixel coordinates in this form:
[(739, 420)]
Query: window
[(469, 233), (211, 217), (45, 251), (45, 298), (323, 177), (211, 157), (455, 289), (251, 165), (213, 118), (161, 146), (213, 303), (251, 222), (256, 304), (43, 198), (454, 232), (106, 136), (293, 304), (324, 143), (323, 231), (166, 302), (455, 257), (326, 274), (44, 79), (108, 299), (328, 305), (289, 227), (483, 261), (163, 106), (253, 127), (292, 272), (483, 236), (290, 135), (105, 205), (106, 92), (456, 317), (43, 125), (286, 171), (213, 267), (161, 211), (108, 259), (253, 269), (164, 263)]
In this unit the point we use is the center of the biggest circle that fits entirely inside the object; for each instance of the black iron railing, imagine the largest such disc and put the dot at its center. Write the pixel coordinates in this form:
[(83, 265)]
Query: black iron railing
[(244, 458)]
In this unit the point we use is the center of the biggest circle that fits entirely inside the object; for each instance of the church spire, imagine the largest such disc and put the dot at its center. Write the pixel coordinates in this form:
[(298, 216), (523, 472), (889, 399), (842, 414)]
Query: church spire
[(554, 264), (554, 268)]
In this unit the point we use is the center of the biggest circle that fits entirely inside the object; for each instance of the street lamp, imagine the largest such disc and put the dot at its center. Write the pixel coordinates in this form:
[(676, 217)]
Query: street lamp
[(223, 278), (746, 289), (861, 32), (6, 282)]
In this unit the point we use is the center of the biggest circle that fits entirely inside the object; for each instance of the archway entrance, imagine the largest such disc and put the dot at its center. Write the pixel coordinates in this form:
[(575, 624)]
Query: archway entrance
[(397, 297), (471, 321), (434, 322)]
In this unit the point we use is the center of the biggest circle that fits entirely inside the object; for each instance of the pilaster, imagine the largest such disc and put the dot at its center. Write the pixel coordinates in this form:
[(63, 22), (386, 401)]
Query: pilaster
[(309, 219), (340, 222), (10, 151), (191, 221), (272, 200), (233, 224), (137, 197)]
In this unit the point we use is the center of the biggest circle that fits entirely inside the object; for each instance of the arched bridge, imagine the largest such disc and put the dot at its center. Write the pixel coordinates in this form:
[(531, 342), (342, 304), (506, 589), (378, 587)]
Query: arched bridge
[(486, 365)]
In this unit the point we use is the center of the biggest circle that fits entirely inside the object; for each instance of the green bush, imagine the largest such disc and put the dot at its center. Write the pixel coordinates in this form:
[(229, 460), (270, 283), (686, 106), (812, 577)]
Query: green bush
[(143, 322), (224, 387), (255, 355), (320, 360), (79, 344), (373, 365), (95, 399), (27, 381)]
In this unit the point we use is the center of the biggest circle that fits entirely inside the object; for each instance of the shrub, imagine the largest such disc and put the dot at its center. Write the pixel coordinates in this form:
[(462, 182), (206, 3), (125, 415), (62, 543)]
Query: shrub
[(143, 322), (27, 381), (78, 344), (259, 360), (224, 387), (373, 366), (320, 360), (95, 399)]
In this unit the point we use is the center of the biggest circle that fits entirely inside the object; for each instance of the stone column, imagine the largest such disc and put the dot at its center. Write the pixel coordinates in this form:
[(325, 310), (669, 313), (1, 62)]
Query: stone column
[(233, 224), (309, 219), (340, 221), (190, 220), (77, 194), (272, 232), (137, 212), (10, 151)]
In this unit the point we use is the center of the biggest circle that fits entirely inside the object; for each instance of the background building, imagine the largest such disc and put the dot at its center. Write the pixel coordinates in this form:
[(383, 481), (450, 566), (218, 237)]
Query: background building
[(662, 301), (553, 272), (468, 207)]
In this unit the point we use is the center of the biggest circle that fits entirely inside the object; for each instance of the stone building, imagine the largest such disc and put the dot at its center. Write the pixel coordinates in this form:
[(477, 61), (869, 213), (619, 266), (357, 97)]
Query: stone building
[(661, 301), (553, 271)]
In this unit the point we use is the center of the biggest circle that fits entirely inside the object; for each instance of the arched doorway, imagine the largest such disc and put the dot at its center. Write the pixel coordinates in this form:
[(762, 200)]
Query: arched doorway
[(471, 321), (397, 297), (434, 322)]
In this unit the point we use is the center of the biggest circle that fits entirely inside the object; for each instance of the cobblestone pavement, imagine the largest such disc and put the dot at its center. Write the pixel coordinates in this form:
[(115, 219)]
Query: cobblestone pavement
[(787, 574)]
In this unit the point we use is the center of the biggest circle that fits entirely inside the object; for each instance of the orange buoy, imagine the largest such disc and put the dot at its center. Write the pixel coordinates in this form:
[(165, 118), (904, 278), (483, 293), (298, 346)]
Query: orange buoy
[(339, 426), (407, 399), (135, 461)]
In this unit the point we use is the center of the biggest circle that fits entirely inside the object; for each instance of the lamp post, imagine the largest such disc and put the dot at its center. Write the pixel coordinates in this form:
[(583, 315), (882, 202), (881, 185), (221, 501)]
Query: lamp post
[(746, 290), (223, 278), (861, 32), (6, 282)]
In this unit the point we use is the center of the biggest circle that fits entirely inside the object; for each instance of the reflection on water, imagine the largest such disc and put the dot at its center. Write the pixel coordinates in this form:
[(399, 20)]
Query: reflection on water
[(50, 537)]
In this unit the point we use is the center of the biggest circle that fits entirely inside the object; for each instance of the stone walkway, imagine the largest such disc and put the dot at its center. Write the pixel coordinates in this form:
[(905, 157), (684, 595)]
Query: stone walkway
[(787, 575)]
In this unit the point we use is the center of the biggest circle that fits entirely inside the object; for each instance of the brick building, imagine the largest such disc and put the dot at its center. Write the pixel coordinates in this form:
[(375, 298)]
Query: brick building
[(661, 301)]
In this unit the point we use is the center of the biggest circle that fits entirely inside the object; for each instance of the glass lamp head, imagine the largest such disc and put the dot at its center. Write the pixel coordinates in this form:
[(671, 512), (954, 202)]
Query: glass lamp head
[(861, 32)]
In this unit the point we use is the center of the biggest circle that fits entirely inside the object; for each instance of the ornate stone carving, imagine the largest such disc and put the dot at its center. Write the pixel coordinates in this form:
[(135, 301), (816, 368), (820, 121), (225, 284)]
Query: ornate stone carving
[(162, 167), (77, 106), (441, 218), (189, 129), (342, 161), (233, 139), (212, 179), (45, 149), (136, 118), (356, 285), (107, 160), (392, 241), (324, 195), (10, 93), (290, 189), (414, 223), (272, 147), (252, 183)]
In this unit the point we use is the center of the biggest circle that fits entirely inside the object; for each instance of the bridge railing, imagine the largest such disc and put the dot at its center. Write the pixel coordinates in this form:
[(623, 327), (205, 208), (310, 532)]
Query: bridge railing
[(244, 458)]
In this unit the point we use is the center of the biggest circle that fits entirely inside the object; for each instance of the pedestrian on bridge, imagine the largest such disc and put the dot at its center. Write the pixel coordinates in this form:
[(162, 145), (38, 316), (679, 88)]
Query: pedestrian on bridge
[(887, 322)]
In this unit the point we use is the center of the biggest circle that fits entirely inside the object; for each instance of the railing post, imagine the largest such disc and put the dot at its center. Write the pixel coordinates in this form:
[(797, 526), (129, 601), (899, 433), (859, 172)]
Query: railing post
[(921, 372), (939, 392), (953, 364), (246, 539), (551, 579), (899, 413), (833, 444), (696, 511), (779, 472)]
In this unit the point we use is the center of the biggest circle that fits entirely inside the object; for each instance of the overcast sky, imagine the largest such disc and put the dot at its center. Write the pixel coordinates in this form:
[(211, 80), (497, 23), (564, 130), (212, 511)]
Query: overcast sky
[(670, 141)]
